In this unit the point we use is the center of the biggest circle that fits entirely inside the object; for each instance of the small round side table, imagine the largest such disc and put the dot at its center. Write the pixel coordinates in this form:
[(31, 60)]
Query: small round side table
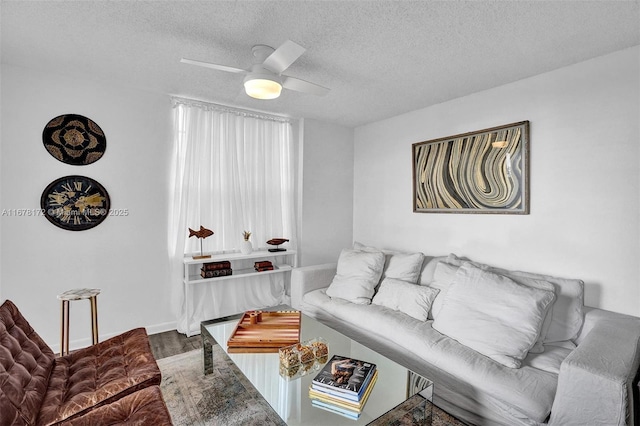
[(78, 294)]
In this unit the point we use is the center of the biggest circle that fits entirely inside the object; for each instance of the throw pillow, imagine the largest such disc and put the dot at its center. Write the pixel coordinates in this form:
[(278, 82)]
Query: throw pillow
[(443, 276), (428, 268), (412, 299), (400, 266), (403, 266), (357, 275), (566, 315), (493, 314), (538, 347)]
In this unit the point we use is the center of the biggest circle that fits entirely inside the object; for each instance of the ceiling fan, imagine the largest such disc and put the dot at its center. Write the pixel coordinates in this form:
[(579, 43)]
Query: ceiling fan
[(265, 79)]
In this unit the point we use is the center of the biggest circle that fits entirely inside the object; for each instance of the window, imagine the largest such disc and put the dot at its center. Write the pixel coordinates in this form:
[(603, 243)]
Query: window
[(233, 171)]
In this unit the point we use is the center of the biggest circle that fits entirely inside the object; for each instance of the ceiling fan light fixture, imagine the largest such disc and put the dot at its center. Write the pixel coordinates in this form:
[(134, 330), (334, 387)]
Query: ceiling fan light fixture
[(262, 86)]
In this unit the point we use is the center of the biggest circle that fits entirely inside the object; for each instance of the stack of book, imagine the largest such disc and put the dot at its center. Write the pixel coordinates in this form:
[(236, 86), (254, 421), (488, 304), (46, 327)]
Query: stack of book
[(263, 265), (343, 386), (216, 269)]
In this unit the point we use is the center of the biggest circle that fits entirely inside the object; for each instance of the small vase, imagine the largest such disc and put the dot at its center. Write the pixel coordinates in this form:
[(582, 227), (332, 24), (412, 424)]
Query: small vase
[(246, 247)]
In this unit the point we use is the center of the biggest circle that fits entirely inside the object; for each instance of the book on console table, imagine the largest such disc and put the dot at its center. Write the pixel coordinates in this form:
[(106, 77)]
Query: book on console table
[(215, 273), (211, 266), (345, 378), (265, 268), (264, 265)]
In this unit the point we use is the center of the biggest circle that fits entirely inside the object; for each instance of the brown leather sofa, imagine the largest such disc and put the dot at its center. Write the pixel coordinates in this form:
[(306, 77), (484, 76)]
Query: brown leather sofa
[(112, 382)]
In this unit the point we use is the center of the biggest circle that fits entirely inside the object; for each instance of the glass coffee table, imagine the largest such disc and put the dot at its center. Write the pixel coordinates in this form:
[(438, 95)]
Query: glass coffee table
[(397, 393)]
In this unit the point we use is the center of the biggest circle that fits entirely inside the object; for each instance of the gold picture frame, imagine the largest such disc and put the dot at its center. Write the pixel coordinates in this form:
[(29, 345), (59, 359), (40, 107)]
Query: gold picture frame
[(486, 171)]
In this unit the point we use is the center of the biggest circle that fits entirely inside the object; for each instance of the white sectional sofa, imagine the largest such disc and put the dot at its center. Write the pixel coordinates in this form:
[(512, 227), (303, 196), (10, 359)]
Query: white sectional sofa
[(502, 347)]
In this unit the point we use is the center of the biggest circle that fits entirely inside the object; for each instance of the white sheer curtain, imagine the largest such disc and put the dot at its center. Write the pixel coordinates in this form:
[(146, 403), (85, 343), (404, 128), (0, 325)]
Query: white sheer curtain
[(233, 171)]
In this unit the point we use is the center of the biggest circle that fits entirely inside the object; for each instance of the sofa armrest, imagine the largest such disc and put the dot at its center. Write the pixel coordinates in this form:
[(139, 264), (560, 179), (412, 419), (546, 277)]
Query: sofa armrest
[(596, 379), (309, 278)]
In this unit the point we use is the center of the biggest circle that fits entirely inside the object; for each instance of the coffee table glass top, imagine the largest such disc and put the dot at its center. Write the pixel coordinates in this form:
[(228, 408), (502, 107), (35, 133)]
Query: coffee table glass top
[(290, 397)]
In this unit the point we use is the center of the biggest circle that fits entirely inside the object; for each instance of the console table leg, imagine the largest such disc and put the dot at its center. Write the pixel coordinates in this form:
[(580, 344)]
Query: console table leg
[(94, 319), (64, 328)]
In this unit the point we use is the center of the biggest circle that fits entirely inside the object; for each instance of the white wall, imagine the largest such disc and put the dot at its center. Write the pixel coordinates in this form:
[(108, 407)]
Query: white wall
[(585, 183), (126, 257), (327, 196)]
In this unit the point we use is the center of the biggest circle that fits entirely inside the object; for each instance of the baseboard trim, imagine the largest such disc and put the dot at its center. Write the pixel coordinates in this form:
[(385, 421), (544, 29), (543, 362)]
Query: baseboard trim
[(161, 328), (83, 343)]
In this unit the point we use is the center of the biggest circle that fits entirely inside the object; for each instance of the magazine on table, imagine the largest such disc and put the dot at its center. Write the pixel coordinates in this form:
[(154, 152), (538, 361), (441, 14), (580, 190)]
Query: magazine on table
[(344, 376), (337, 410), (343, 403)]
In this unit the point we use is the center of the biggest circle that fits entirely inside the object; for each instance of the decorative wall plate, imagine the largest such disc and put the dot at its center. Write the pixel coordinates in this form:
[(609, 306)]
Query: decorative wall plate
[(75, 203), (74, 139)]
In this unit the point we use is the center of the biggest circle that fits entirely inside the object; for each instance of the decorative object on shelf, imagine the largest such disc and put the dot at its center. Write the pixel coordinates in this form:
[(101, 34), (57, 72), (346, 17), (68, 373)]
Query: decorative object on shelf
[(74, 139), (276, 242), (486, 171), (263, 265), (245, 246), (252, 282), (75, 203), (216, 269), (201, 234)]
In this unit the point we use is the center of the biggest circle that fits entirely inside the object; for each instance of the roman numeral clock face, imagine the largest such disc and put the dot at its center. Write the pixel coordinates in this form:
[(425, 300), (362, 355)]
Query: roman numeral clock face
[(75, 203)]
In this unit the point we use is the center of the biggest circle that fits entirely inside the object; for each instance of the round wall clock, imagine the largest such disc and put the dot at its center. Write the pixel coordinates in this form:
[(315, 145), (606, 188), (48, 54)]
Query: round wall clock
[(75, 203), (74, 139)]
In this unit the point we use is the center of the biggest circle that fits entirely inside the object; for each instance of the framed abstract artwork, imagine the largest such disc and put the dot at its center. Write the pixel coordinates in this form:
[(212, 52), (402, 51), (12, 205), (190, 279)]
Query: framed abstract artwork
[(486, 171)]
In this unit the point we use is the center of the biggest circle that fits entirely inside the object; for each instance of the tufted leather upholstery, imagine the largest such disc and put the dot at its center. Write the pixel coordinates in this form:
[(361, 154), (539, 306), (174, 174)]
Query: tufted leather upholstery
[(99, 374), (25, 366), (145, 407), (36, 388)]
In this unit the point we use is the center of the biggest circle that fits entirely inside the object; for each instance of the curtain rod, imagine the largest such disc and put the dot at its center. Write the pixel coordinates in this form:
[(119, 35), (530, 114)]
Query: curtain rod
[(226, 108)]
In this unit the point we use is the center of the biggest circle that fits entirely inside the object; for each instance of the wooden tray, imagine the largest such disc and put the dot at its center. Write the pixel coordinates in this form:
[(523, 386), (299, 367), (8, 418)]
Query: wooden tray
[(263, 331)]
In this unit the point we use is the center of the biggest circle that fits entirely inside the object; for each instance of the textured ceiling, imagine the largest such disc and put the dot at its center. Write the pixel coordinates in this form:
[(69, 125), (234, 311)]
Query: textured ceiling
[(379, 58)]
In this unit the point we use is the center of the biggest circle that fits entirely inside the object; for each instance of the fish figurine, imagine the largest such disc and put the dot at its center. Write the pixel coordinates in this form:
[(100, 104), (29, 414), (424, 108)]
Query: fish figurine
[(202, 233), (276, 242)]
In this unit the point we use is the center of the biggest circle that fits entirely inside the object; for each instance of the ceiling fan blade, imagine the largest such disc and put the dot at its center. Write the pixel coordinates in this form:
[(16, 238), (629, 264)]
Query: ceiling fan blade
[(214, 66), (283, 56), (299, 85)]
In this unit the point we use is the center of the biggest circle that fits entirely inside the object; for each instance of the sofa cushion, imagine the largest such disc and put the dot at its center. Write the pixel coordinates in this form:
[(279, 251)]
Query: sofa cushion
[(25, 366), (445, 274), (428, 269), (397, 265), (412, 299), (98, 375), (549, 360), (525, 393), (567, 312), (492, 314), (357, 275)]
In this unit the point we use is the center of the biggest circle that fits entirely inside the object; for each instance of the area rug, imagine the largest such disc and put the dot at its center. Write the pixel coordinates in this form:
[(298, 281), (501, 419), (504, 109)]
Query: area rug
[(224, 397)]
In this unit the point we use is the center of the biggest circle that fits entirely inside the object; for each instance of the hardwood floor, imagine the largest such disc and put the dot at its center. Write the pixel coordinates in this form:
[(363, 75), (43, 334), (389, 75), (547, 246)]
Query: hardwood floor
[(172, 343)]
